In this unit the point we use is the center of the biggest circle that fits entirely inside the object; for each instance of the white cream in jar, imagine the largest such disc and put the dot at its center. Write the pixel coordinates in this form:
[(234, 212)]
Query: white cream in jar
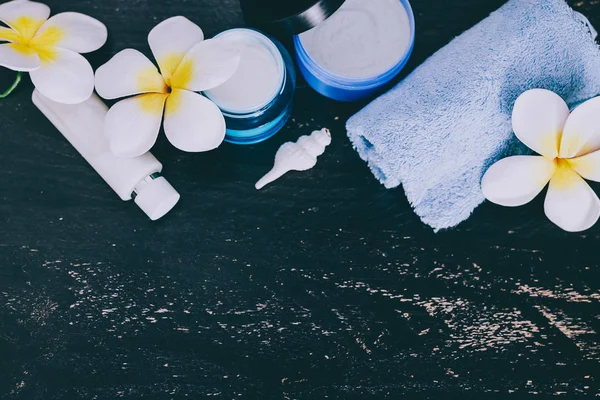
[(259, 78), (364, 38)]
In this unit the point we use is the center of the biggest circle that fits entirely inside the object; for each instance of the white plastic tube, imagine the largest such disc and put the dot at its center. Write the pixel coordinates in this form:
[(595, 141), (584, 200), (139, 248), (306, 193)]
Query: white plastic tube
[(131, 178)]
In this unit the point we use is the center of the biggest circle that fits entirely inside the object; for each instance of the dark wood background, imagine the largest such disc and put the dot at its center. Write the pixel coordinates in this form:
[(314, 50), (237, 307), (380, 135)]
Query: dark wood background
[(325, 285)]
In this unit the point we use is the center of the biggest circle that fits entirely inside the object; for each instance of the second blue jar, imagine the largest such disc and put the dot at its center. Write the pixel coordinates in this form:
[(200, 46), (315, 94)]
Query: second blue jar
[(347, 50), (358, 50)]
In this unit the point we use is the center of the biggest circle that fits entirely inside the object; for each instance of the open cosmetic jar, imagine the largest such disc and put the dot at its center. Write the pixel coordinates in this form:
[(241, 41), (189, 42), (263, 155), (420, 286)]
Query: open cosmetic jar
[(346, 50), (257, 101)]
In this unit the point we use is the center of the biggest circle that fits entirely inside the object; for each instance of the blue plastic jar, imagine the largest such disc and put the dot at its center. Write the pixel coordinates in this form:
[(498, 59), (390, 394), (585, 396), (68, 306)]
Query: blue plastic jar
[(258, 122), (350, 89)]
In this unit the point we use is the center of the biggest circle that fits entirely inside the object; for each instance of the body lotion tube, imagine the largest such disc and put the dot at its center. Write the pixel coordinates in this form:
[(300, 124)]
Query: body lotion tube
[(135, 178)]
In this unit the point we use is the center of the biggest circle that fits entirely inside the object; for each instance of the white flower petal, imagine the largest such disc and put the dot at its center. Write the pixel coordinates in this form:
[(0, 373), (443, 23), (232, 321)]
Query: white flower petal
[(571, 203), (25, 17), (171, 40), (192, 122), (64, 77), (207, 65), (73, 31), (538, 120), (587, 166), (132, 125), (582, 130), (128, 72), (16, 57), (517, 180)]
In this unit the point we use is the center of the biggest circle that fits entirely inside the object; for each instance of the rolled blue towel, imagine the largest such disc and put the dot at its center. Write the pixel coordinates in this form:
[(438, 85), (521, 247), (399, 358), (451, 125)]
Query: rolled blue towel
[(439, 129)]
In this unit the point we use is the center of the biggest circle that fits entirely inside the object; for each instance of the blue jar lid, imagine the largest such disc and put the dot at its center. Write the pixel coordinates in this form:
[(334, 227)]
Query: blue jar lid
[(288, 17)]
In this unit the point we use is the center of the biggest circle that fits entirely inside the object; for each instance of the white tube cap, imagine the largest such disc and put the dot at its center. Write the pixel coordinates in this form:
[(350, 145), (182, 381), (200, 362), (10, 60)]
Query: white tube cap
[(156, 197)]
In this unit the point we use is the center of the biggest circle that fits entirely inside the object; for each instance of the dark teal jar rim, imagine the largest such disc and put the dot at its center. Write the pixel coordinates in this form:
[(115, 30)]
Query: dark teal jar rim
[(259, 125)]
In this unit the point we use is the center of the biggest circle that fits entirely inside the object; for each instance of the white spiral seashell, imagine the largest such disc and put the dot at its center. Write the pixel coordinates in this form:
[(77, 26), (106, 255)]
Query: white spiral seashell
[(299, 156)]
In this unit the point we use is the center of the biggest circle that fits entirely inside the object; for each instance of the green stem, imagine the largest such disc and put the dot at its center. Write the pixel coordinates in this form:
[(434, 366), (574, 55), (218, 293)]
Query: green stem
[(13, 86)]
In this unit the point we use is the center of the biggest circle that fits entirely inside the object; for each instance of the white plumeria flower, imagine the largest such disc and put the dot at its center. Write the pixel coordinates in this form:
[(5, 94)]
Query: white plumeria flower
[(569, 148), (49, 49), (188, 64)]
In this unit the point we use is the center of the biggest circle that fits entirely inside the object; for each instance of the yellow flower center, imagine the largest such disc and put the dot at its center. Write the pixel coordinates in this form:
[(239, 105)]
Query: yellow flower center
[(565, 175), (183, 75), (25, 39), (177, 73)]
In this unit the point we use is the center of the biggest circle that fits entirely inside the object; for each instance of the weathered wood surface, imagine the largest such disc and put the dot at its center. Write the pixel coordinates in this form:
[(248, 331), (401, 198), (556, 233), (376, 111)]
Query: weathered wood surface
[(323, 286)]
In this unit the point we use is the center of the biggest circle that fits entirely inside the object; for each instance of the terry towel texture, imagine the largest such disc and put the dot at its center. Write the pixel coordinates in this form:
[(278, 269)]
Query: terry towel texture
[(438, 130)]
